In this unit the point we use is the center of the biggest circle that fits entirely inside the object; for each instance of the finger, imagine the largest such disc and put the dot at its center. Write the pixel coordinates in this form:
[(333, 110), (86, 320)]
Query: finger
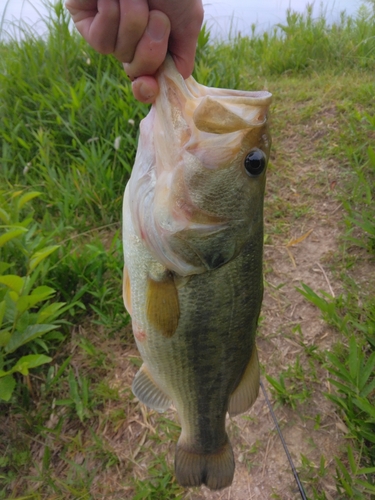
[(145, 89), (183, 43), (78, 8), (97, 21), (134, 15), (183, 53), (186, 17), (152, 48)]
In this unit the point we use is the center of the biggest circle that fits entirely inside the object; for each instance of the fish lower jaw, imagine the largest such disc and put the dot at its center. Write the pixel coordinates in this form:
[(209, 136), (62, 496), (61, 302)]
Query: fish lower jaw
[(215, 470)]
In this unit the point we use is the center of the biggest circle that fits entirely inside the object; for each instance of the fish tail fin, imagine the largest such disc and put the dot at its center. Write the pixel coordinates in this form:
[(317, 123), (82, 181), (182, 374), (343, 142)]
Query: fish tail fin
[(215, 470)]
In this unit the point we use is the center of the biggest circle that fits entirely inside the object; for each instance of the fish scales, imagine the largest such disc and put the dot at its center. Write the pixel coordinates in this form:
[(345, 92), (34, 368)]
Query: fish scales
[(193, 238)]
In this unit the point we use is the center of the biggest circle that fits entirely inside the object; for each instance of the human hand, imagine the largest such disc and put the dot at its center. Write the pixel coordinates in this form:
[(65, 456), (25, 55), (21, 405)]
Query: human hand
[(139, 33)]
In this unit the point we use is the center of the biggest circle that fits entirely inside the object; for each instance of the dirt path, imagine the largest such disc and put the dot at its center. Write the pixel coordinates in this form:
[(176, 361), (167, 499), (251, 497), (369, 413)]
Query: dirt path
[(300, 244), (289, 328)]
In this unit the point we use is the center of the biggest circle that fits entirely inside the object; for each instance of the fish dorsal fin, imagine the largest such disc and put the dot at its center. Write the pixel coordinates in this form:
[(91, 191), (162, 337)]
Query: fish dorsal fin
[(247, 390), (162, 305), (223, 115), (146, 390)]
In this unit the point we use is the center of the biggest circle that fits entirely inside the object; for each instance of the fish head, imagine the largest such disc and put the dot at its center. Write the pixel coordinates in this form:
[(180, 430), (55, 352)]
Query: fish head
[(197, 187)]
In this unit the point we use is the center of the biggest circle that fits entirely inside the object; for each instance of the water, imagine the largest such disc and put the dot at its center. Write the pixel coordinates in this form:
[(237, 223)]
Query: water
[(221, 15)]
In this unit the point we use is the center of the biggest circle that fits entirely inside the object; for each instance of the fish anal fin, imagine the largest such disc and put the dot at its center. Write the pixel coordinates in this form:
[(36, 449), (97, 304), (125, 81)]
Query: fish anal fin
[(146, 390), (215, 470), (162, 305), (247, 390)]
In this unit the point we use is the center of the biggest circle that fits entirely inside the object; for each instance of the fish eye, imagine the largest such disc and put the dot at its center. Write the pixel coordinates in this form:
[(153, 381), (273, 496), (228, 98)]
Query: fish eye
[(255, 162)]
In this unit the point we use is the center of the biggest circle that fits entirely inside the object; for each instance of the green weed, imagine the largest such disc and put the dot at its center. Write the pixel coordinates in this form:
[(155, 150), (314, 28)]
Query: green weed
[(28, 315), (69, 124), (160, 484), (293, 385), (353, 482), (361, 212), (79, 396), (311, 473), (352, 364), (331, 308)]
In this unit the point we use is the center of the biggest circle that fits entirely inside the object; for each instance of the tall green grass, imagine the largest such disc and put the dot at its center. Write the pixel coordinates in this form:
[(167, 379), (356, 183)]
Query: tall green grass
[(305, 42), (62, 108)]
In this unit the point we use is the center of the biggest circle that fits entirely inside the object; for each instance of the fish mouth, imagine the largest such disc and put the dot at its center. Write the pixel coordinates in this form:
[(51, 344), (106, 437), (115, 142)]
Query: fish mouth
[(212, 110)]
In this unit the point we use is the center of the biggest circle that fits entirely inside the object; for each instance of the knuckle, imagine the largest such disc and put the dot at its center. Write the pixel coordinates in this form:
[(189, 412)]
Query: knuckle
[(134, 26)]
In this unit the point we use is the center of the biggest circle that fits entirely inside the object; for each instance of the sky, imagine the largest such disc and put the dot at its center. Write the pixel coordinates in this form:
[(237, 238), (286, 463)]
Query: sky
[(267, 12), (219, 14)]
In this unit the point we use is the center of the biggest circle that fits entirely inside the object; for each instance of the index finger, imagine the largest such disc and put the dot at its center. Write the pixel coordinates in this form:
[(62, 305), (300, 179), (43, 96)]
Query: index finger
[(97, 21), (186, 17)]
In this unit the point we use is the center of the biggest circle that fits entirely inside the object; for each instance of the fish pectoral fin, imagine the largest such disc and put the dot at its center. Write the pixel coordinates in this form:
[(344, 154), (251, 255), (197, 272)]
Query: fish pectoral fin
[(126, 291), (162, 305), (247, 390), (146, 390)]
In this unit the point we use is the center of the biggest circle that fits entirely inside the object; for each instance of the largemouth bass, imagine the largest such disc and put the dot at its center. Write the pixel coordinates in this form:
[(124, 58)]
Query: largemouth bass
[(193, 244)]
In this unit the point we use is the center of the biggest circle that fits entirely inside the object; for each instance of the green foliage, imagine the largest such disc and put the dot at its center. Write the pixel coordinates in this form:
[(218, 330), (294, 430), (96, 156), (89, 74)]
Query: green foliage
[(79, 395), (305, 42), (308, 41), (161, 484), (352, 364), (292, 386), (353, 376), (311, 473), (69, 123), (28, 316), (355, 383), (353, 482), (331, 308), (361, 209), (353, 367), (93, 272)]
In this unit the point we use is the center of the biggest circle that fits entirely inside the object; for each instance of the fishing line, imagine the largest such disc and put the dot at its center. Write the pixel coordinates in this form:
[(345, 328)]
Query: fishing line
[(295, 473)]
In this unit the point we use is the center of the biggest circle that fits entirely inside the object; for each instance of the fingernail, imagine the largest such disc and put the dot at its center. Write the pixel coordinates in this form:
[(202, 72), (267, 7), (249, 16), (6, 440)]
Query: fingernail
[(157, 27), (128, 71)]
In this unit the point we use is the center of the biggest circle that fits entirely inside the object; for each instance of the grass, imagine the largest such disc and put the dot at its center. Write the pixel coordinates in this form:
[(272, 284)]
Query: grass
[(68, 134)]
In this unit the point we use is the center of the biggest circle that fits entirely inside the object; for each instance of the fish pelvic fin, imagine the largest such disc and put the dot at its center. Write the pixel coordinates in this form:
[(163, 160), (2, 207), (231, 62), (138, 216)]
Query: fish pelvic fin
[(215, 470), (146, 390), (247, 390)]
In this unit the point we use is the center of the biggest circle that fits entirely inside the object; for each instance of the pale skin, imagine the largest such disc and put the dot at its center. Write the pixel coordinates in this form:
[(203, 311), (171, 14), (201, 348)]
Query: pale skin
[(139, 33)]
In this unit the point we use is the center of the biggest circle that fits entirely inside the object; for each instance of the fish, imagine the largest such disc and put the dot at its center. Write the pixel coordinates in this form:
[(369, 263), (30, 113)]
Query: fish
[(193, 247)]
